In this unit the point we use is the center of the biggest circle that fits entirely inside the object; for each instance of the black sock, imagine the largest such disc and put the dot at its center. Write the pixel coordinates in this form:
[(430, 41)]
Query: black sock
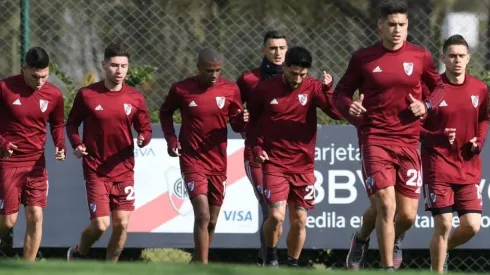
[(292, 261), (272, 254)]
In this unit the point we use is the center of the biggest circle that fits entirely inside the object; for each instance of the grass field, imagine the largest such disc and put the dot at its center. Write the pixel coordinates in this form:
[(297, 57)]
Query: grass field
[(101, 268)]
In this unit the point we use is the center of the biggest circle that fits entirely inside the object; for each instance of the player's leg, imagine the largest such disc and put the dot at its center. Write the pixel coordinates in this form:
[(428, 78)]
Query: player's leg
[(468, 204), (359, 245), (276, 190), (301, 198), (11, 180), (122, 199), (254, 174), (408, 188), (100, 218), (35, 198), (216, 196), (378, 163), (439, 200), (197, 187)]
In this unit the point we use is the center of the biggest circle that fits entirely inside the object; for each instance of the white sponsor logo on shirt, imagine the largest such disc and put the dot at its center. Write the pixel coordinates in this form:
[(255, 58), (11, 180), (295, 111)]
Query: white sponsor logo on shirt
[(17, 102), (274, 101), (443, 104), (192, 104), (99, 108), (43, 104), (377, 70)]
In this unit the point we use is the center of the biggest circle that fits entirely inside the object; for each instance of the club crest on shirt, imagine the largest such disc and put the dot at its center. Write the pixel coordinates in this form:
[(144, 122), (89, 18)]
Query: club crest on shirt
[(303, 98), (408, 67), (220, 101), (475, 100), (127, 108), (43, 104)]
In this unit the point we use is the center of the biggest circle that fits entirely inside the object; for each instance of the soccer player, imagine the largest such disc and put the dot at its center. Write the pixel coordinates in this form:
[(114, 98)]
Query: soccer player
[(107, 110), (274, 49), (389, 76), (284, 141), (27, 103), (207, 102), (452, 140)]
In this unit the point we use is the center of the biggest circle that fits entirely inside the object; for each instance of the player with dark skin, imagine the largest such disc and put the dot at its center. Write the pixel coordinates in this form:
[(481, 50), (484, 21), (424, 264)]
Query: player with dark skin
[(204, 170)]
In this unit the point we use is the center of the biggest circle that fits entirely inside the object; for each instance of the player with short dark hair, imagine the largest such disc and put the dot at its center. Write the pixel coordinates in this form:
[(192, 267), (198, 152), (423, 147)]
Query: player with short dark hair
[(389, 76), (107, 110), (284, 141), (274, 50), (28, 102), (452, 139), (207, 102)]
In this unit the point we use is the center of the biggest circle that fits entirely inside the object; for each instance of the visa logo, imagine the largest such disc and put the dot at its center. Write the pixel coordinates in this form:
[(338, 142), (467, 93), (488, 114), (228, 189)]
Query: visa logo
[(143, 152), (238, 216)]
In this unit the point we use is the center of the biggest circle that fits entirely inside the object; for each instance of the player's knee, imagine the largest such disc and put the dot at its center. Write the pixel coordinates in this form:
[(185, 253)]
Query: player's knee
[(407, 218), (101, 224), (202, 219), (34, 216), (442, 226), (298, 223), (385, 204), (471, 227), (120, 224), (8, 221), (276, 217)]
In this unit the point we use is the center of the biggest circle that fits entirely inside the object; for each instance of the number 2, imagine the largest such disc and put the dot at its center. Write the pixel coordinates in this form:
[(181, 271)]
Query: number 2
[(415, 179), (311, 192), (129, 190)]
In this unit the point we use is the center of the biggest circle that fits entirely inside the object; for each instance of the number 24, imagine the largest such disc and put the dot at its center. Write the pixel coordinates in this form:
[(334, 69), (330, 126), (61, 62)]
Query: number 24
[(415, 179)]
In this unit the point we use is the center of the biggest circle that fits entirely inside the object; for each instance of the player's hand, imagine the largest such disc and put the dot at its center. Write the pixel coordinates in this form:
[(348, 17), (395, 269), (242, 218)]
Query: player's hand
[(80, 151), (140, 140), (10, 148), (474, 145), (417, 107), (356, 109), (326, 78), (60, 154), (243, 115), (451, 134), (263, 157), (175, 151)]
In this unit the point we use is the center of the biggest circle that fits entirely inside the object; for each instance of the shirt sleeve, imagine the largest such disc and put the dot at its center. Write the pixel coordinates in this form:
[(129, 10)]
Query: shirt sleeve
[(483, 119), (167, 110), (244, 89), (255, 109), (347, 86), (324, 100), (142, 123), (57, 124), (433, 81), (234, 111), (3, 141), (75, 118)]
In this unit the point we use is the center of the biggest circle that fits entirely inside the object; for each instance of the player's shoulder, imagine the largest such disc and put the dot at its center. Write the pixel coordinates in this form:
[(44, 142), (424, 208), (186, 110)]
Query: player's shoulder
[(185, 84), (227, 82), (52, 88), (12, 81), (252, 75), (417, 49), (476, 83), (366, 51)]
